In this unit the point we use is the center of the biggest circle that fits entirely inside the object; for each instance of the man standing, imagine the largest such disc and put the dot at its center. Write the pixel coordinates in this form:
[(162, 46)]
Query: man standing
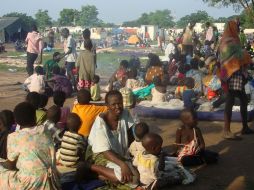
[(34, 48), (71, 55)]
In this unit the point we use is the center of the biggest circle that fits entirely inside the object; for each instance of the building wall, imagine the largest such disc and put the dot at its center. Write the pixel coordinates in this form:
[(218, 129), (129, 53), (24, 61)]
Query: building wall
[(151, 29)]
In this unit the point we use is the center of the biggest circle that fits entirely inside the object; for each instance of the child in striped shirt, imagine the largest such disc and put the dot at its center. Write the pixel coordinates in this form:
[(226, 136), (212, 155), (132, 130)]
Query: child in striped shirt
[(73, 145)]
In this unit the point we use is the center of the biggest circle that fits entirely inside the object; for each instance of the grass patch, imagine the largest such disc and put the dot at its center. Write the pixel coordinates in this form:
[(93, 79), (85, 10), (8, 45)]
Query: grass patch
[(12, 53), (4, 67), (107, 62)]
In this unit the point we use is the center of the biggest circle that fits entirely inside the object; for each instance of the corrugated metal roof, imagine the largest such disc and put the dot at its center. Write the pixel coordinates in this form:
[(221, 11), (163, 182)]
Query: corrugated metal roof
[(6, 21)]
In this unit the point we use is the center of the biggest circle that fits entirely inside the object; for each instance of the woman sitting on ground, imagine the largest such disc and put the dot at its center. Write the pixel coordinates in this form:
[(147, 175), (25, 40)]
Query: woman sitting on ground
[(110, 139), (154, 70), (119, 77), (59, 82), (30, 160)]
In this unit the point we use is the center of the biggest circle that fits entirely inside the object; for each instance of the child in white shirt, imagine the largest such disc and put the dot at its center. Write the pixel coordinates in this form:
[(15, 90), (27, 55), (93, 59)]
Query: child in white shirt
[(35, 83), (156, 170)]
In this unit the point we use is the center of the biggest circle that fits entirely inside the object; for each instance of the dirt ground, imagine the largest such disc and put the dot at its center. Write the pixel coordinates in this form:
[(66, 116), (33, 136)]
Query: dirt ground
[(235, 170)]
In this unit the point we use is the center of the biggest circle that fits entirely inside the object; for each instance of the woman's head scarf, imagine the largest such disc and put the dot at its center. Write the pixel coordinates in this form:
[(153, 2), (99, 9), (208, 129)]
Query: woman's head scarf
[(232, 56)]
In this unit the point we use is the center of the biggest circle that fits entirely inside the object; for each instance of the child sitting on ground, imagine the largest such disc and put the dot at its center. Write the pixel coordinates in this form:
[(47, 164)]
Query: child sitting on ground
[(53, 116), (180, 88), (139, 131), (73, 145), (190, 145), (155, 172), (86, 111), (189, 96), (6, 122), (95, 89), (35, 83), (132, 82), (59, 99), (43, 102), (159, 91), (34, 99)]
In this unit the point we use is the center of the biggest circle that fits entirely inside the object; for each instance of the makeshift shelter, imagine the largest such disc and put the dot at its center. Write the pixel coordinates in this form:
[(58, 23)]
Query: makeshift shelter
[(12, 29), (116, 31), (134, 39), (131, 31)]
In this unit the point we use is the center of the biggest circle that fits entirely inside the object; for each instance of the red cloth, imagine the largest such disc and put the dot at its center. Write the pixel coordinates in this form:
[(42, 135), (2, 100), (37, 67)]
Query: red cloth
[(211, 94), (181, 76)]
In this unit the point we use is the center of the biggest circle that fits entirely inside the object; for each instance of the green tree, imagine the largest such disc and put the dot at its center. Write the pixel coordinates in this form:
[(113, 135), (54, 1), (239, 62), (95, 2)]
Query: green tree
[(199, 16), (42, 18), (237, 4), (26, 20), (162, 18), (246, 5), (88, 16), (67, 17), (133, 23), (143, 20), (246, 20), (221, 19)]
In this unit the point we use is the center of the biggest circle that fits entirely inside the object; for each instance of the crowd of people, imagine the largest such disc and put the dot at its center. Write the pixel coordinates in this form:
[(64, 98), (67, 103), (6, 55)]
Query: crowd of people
[(106, 140)]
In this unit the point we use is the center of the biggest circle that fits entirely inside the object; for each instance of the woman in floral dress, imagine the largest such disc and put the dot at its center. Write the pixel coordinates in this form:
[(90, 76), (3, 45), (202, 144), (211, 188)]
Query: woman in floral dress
[(30, 160)]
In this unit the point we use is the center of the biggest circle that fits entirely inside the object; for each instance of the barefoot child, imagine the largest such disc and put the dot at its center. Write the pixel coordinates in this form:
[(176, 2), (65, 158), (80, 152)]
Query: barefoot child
[(190, 145)]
